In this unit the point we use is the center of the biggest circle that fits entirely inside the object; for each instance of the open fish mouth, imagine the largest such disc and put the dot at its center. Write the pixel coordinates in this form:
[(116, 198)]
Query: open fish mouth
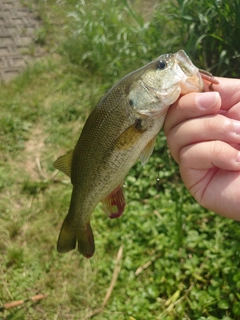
[(185, 63), (189, 76), (194, 83)]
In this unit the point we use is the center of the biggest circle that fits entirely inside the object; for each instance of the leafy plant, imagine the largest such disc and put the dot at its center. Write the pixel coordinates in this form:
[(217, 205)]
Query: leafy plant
[(179, 261), (105, 37), (206, 29)]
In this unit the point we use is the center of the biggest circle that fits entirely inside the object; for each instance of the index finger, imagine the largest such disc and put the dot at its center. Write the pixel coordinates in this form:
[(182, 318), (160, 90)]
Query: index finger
[(192, 105)]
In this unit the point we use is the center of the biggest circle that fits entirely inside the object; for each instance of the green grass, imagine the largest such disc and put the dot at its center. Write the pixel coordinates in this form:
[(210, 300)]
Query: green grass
[(179, 260), (207, 30)]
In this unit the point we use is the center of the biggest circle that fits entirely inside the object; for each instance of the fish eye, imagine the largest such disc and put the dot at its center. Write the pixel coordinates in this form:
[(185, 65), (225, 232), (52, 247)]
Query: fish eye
[(161, 64), (131, 103)]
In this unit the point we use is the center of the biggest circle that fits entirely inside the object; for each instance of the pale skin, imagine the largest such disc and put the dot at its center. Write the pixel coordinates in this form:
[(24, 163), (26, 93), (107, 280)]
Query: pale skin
[(203, 133)]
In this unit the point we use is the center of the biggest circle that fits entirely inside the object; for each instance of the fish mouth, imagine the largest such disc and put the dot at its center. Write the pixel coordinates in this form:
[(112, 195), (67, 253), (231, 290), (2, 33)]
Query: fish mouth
[(193, 83), (185, 63), (191, 79)]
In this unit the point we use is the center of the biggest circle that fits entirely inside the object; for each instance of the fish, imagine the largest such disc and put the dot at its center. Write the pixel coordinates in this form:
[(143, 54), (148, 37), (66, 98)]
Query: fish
[(121, 129)]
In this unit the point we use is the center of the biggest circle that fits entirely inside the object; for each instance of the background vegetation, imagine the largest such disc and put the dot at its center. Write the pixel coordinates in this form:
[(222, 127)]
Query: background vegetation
[(168, 257)]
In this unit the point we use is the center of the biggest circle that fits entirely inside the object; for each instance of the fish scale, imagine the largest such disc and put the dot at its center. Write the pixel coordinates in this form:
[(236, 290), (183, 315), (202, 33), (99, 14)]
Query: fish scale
[(121, 129)]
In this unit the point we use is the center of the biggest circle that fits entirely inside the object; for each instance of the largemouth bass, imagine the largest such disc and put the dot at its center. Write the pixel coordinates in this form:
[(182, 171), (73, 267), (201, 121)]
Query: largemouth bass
[(122, 128)]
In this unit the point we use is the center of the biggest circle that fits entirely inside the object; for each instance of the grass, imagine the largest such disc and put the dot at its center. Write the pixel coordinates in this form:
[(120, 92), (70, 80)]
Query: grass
[(206, 29), (179, 261)]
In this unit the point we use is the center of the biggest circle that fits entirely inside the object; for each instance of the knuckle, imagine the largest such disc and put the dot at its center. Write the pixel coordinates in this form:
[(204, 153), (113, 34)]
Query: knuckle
[(217, 148), (170, 138), (184, 155), (220, 125), (211, 123)]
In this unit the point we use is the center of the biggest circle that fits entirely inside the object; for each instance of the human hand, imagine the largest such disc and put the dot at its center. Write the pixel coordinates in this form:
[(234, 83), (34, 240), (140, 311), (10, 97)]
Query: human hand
[(203, 134)]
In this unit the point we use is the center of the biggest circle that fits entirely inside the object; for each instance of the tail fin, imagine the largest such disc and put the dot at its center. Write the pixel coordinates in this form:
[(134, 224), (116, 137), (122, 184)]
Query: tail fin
[(68, 236), (85, 239)]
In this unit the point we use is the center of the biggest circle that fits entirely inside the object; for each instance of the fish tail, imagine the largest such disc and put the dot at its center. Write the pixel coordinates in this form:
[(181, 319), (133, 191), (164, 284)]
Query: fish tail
[(67, 237), (85, 239)]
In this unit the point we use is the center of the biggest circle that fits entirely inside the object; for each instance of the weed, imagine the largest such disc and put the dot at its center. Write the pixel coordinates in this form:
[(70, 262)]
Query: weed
[(116, 34), (207, 30), (179, 261)]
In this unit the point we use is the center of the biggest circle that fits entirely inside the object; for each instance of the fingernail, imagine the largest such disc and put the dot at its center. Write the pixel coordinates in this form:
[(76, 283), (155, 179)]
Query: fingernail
[(206, 100), (236, 127)]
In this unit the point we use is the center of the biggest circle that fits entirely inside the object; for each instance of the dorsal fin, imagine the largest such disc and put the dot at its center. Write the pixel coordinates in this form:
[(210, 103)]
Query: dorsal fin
[(64, 163)]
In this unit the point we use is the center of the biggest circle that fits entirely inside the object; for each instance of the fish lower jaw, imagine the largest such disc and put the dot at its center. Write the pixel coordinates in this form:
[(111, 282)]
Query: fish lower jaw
[(192, 85)]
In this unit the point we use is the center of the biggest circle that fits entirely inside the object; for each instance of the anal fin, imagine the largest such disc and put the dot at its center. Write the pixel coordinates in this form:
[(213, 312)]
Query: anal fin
[(114, 203)]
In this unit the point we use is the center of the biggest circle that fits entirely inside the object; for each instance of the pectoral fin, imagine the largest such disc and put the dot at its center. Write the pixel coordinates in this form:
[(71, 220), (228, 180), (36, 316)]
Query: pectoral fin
[(131, 135), (114, 203), (64, 163), (147, 151)]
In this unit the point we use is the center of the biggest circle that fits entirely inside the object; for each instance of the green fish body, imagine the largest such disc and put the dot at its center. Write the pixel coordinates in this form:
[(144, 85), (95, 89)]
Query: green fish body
[(122, 128)]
